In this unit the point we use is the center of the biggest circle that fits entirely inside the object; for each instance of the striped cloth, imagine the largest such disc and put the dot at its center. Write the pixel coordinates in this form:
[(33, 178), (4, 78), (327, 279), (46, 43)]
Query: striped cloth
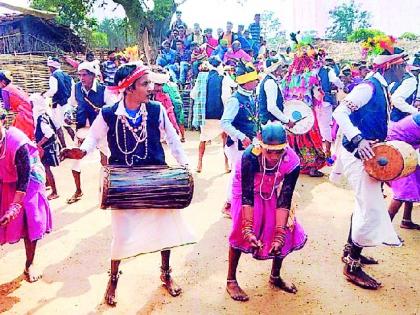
[(199, 108)]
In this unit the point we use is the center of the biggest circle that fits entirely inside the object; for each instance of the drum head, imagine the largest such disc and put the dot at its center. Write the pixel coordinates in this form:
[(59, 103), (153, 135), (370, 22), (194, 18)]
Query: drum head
[(301, 113), (387, 164)]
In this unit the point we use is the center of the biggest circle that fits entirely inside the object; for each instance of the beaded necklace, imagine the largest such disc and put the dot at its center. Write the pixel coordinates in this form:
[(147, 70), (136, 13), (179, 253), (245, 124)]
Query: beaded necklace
[(139, 134), (265, 168)]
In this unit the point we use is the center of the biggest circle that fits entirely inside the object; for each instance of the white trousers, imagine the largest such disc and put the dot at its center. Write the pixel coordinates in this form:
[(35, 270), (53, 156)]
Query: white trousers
[(234, 156), (324, 117), (371, 224)]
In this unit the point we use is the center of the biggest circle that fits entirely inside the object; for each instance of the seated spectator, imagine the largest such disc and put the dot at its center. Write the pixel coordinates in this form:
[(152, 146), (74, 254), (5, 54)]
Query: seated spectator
[(195, 37), (236, 53), (245, 43), (221, 49), (229, 35), (167, 59), (198, 55), (183, 59), (210, 41), (178, 22)]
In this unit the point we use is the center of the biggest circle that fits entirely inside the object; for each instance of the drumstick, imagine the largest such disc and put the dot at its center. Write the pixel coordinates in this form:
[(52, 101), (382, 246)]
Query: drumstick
[(298, 120)]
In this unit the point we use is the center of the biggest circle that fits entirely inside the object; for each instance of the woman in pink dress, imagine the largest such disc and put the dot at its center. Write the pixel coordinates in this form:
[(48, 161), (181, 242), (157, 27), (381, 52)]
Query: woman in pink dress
[(407, 189), (24, 210), (263, 223), (16, 100)]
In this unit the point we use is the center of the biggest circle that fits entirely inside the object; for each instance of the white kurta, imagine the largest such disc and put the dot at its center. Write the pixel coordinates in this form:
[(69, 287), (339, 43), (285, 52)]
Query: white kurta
[(136, 232), (371, 224)]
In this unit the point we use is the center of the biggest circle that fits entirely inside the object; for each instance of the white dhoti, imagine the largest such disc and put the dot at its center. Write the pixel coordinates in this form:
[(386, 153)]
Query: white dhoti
[(58, 115), (324, 117), (210, 130), (371, 224), (233, 155), (136, 232)]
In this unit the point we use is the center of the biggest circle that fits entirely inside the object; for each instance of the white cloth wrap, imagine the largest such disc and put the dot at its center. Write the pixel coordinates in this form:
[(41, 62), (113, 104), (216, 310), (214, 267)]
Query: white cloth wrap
[(371, 224), (210, 130)]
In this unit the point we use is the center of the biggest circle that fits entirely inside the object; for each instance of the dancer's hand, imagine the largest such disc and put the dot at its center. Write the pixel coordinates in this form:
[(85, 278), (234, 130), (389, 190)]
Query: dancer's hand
[(276, 247), (74, 154), (365, 149), (255, 243), (246, 142), (5, 219), (291, 124)]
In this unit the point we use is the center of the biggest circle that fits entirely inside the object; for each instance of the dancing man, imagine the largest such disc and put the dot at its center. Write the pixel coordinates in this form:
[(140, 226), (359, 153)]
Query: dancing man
[(132, 128), (24, 210), (240, 120), (363, 119), (88, 96), (210, 94), (264, 224), (60, 86)]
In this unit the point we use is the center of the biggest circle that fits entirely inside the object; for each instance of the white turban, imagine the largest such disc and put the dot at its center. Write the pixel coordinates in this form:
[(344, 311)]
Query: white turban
[(53, 63), (92, 67)]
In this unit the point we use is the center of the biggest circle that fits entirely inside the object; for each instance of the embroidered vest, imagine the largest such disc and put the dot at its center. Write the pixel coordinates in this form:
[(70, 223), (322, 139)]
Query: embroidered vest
[(214, 104), (117, 141), (396, 114), (84, 110), (326, 84), (245, 120), (263, 112), (64, 88)]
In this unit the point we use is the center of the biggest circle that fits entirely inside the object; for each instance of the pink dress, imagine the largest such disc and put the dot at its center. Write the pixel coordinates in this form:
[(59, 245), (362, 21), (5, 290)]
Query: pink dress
[(35, 218), (264, 212), (167, 103), (407, 130)]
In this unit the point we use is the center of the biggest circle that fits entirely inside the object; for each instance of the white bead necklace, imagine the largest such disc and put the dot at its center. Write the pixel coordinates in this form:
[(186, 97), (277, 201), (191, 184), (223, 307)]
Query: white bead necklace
[(139, 134), (276, 166)]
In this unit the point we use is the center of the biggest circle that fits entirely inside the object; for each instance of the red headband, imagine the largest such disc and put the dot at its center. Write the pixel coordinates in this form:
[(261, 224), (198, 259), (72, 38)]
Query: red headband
[(386, 65), (128, 81)]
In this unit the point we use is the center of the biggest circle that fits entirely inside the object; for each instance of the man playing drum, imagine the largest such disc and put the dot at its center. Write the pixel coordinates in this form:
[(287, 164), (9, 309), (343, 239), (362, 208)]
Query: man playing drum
[(132, 128), (363, 118)]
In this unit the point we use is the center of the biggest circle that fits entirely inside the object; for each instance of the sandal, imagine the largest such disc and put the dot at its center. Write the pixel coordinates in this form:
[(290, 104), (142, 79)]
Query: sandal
[(111, 299), (409, 225), (279, 283), (355, 274), (76, 197), (316, 173), (240, 295), (172, 288)]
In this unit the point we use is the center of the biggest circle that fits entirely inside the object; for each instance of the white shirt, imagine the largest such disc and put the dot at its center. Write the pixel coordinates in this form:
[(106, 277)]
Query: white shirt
[(46, 129), (334, 79), (99, 130), (271, 88), (109, 97), (53, 86), (355, 100), (407, 87)]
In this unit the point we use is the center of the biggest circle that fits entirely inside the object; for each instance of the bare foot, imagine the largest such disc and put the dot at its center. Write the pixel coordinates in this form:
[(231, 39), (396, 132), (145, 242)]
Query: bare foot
[(170, 285), (32, 274), (227, 168), (226, 210), (410, 225), (235, 291), (360, 278), (110, 296), (76, 197), (53, 196), (279, 283), (199, 167)]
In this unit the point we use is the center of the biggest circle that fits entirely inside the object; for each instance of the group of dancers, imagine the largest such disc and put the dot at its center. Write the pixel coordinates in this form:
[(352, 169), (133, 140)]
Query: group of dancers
[(264, 156)]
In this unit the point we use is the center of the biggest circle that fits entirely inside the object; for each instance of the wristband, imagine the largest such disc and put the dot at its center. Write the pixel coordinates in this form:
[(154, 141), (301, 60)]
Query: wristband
[(356, 140)]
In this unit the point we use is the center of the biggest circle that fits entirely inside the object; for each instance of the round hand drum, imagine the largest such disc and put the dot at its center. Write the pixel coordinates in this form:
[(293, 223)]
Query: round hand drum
[(392, 160), (300, 113)]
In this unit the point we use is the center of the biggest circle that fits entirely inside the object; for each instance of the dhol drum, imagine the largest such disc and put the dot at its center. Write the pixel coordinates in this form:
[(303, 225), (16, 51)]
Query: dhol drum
[(301, 114), (146, 187), (392, 160)]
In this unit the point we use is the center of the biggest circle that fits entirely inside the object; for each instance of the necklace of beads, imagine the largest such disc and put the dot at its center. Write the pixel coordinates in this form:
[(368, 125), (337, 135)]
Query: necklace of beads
[(264, 162), (139, 134)]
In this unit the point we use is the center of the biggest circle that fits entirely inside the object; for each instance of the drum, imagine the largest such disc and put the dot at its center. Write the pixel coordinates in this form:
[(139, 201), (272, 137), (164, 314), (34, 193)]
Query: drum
[(392, 160), (146, 187), (300, 113)]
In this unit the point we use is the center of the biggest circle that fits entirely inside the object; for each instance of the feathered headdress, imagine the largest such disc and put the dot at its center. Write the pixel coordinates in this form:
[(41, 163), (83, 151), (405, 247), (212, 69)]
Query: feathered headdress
[(383, 50)]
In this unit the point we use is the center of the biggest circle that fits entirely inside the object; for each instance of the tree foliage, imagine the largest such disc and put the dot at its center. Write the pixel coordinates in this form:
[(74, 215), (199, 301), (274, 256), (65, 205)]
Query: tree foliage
[(119, 33), (409, 36), (271, 29), (363, 34), (346, 18)]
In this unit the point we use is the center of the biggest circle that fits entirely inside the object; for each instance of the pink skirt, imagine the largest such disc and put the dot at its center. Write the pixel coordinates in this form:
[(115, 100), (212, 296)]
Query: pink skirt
[(34, 221)]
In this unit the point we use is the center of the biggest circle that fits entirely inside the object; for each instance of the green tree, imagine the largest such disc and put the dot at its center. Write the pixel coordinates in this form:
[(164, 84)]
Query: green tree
[(119, 32), (271, 29), (346, 18), (363, 34)]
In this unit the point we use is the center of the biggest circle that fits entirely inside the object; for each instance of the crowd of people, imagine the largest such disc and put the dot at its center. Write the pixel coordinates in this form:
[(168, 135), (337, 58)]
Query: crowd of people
[(240, 94)]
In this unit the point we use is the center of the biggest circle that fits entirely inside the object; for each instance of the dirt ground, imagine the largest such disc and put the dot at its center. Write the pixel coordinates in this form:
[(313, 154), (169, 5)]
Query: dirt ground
[(75, 256)]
